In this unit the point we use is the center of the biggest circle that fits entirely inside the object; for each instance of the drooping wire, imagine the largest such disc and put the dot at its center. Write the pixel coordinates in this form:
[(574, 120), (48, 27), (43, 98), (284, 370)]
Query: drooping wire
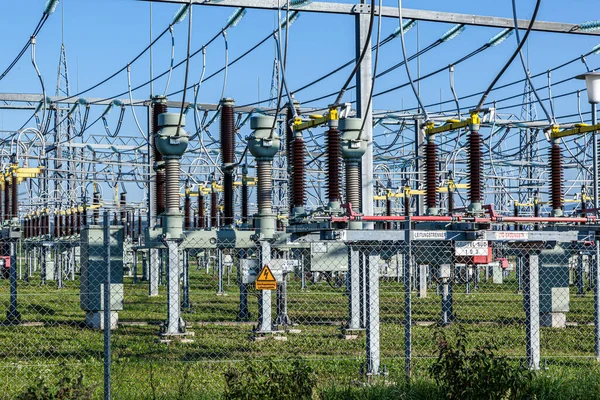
[(510, 60), (410, 79), (365, 48), (187, 68), (172, 60)]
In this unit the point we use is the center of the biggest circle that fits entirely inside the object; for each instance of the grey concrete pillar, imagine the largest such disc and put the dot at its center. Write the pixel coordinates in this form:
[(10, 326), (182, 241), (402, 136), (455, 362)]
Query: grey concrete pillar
[(353, 289), (531, 299), (372, 311), (153, 272), (174, 291), (265, 318)]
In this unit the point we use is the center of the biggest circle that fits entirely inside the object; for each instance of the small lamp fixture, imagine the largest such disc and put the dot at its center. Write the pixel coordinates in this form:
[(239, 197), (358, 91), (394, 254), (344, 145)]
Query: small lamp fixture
[(592, 82)]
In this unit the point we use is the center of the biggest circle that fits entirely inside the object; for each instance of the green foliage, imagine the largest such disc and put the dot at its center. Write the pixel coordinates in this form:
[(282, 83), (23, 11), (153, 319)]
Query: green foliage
[(289, 380), (478, 373), (68, 384)]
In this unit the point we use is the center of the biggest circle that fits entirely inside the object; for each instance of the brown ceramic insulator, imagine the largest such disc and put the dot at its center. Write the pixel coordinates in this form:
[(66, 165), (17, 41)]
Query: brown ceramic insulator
[(475, 167), (227, 198), (556, 177), (123, 204), (187, 212), (139, 232), (298, 173), (157, 109), (333, 164), (201, 214), (227, 134), (279, 225), (78, 221), (14, 203), (289, 151), (6, 200), (160, 192), (431, 161), (213, 209), (244, 202), (227, 158), (406, 206), (388, 211), (61, 225), (96, 212), (56, 226)]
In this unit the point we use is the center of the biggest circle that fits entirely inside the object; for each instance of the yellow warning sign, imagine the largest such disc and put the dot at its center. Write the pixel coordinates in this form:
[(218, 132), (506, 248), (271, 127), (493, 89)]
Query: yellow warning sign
[(266, 280)]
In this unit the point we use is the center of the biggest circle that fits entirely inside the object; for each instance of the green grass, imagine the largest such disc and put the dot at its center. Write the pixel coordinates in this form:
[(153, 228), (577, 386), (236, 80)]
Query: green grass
[(143, 366)]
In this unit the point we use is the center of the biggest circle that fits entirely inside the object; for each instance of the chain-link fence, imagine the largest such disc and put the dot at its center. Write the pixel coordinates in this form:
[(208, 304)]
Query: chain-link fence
[(354, 308)]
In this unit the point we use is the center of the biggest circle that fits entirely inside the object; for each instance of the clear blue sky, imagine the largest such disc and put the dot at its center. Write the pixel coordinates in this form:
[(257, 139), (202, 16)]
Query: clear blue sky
[(102, 36)]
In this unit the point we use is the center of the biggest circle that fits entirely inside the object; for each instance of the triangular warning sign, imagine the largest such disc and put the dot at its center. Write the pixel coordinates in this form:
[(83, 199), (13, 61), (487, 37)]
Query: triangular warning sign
[(266, 280)]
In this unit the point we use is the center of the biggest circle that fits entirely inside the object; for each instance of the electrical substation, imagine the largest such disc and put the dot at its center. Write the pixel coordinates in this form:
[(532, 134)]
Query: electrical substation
[(341, 228)]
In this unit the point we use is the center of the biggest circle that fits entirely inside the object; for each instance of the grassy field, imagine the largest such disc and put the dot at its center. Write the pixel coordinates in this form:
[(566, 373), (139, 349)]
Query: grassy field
[(145, 368)]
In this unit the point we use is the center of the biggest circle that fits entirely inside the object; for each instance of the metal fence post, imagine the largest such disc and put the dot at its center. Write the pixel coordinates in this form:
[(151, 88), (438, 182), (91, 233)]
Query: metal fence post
[(596, 275), (531, 297), (107, 322), (406, 269)]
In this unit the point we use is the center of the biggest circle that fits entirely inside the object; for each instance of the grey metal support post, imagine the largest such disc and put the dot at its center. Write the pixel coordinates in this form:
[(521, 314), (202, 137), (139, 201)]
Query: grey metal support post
[(406, 269), (153, 272), (531, 299), (220, 291), (107, 322), (265, 319), (595, 156), (596, 300), (186, 279), (353, 289), (363, 88), (372, 311), (579, 277), (174, 290), (13, 316)]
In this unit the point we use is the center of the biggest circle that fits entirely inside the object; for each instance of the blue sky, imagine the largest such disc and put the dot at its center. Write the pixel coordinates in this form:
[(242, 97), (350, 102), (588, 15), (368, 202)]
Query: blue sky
[(102, 36)]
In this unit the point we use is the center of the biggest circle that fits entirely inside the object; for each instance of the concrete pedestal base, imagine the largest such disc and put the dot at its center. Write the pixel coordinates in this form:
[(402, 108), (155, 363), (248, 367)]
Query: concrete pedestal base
[(95, 319), (553, 320)]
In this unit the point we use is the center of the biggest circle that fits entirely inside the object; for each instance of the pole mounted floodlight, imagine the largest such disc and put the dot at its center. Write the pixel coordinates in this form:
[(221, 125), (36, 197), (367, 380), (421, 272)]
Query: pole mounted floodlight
[(592, 82)]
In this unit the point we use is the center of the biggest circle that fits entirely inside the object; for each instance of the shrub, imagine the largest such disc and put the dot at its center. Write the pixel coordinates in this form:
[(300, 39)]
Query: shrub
[(70, 385), (291, 379), (476, 374)]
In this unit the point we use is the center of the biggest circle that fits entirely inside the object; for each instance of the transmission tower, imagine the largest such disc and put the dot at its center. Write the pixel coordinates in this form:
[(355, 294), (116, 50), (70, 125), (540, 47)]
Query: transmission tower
[(529, 148)]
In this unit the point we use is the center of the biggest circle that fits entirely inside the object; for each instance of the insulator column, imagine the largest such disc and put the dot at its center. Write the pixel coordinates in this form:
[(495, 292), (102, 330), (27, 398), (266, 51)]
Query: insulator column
[(201, 216), (352, 147), (352, 183), (298, 178), (7, 208), (475, 167), (227, 158), (264, 187), (159, 106), (96, 204), (333, 166), (172, 184), (213, 208), (294, 145), (187, 210), (431, 161), (14, 195), (556, 179), (244, 196), (122, 205)]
